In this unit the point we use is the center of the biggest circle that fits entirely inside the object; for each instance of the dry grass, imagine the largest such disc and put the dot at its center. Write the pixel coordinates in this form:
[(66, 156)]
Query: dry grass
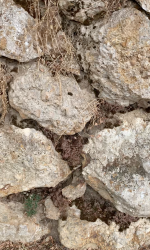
[(57, 49), (4, 79), (114, 5)]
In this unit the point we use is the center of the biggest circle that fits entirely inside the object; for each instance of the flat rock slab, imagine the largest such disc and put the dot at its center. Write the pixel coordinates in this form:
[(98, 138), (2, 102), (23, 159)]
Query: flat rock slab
[(57, 103), (17, 38), (16, 226), (117, 54), (120, 164), (81, 234), (28, 160)]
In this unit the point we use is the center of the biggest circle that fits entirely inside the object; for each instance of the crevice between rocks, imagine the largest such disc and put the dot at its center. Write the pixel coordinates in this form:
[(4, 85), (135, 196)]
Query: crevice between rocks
[(93, 206)]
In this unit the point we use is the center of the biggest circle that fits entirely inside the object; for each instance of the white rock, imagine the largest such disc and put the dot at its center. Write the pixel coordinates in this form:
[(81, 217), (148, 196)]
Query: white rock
[(119, 167), (51, 212), (16, 226), (17, 36), (73, 192), (28, 160), (145, 4), (57, 103), (116, 55), (78, 234)]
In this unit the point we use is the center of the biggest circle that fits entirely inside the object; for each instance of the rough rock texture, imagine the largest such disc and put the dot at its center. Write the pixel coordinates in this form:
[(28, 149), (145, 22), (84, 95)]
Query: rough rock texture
[(120, 164), (57, 103), (16, 226), (83, 11), (116, 56), (17, 40), (73, 192), (145, 4), (51, 211), (81, 234), (28, 160)]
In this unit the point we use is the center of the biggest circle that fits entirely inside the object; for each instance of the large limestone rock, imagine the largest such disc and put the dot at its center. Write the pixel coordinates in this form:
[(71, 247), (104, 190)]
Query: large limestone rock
[(17, 39), (81, 234), (145, 4), (116, 55), (120, 164), (57, 103), (28, 160), (16, 226), (83, 11)]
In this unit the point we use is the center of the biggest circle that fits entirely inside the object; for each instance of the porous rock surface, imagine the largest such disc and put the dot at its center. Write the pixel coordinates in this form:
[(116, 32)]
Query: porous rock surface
[(83, 10), (51, 211), (73, 192), (80, 234), (145, 4), (57, 103), (16, 226), (120, 164), (17, 37), (116, 56), (28, 160)]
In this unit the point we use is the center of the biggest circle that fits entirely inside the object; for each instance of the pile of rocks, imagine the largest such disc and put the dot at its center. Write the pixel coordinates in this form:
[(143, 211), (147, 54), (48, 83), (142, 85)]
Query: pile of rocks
[(113, 51)]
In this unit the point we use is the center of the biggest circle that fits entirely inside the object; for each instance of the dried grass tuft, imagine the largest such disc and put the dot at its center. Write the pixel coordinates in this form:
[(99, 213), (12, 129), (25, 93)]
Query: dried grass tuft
[(4, 79), (114, 5), (57, 49)]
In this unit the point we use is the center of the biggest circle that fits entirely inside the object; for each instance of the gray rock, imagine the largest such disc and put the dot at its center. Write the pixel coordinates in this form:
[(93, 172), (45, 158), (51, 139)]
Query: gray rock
[(57, 103), (17, 37), (83, 11), (145, 4), (80, 234), (16, 226), (51, 211), (120, 164), (73, 192), (116, 56), (28, 160)]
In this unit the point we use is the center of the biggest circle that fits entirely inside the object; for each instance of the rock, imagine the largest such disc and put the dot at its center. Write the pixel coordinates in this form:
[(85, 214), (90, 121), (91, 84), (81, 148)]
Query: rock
[(116, 56), (80, 234), (73, 192), (120, 164), (28, 160), (52, 212), (145, 4), (16, 226), (57, 103), (83, 11), (17, 38)]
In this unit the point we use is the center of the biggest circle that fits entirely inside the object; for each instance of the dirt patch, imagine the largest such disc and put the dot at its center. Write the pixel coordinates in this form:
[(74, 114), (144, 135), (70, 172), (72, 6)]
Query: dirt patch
[(99, 208), (145, 248), (71, 148)]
